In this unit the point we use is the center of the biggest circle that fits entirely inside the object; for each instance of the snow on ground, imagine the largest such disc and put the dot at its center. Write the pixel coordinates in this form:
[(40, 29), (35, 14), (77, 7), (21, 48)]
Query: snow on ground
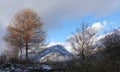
[(8, 67)]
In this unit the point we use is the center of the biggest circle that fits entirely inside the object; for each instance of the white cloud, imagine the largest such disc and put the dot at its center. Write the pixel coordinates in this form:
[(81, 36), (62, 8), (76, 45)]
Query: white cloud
[(98, 25), (54, 43)]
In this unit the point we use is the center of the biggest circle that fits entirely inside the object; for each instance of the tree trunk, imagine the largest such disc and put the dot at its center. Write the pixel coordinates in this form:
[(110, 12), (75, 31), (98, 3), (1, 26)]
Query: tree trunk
[(20, 55), (27, 52), (82, 55)]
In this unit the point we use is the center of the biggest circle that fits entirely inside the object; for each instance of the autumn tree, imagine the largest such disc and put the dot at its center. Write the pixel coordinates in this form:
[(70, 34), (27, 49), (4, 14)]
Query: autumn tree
[(25, 31), (82, 40)]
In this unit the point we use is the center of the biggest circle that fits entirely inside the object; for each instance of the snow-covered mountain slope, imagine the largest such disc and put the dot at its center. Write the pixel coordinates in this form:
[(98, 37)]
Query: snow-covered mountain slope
[(61, 50)]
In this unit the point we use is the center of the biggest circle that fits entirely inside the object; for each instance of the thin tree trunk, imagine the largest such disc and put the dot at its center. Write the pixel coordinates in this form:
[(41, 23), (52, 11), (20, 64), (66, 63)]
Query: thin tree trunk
[(27, 52), (20, 55), (83, 55)]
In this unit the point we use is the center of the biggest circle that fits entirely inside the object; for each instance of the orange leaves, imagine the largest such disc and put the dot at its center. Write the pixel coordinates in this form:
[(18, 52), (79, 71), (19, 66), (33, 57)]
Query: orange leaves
[(27, 11), (29, 20), (30, 23), (10, 28), (14, 35), (23, 26), (27, 35)]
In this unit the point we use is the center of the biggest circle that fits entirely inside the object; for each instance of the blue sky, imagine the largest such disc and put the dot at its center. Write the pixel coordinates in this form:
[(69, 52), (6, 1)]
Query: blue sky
[(62, 17), (68, 26)]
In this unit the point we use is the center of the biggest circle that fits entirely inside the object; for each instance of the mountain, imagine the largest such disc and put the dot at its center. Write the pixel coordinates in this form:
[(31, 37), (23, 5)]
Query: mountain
[(62, 54)]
